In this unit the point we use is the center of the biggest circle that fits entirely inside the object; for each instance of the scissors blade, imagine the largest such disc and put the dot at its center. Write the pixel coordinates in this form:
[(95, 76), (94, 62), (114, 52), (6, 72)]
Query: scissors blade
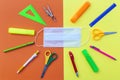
[(107, 33), (43, 73)]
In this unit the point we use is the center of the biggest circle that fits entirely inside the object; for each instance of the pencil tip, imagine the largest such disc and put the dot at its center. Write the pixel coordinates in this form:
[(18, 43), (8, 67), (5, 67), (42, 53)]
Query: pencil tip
[(77, 74), (17, 72), (41, 76)]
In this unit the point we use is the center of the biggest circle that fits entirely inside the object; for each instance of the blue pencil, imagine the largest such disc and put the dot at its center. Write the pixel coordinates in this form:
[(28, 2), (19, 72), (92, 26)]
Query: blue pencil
[(102, 15)]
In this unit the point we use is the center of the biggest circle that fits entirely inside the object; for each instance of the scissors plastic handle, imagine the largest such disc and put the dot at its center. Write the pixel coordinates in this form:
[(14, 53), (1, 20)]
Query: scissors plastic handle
[(52, 57), (47, 55), (97, 31), (97, 34)]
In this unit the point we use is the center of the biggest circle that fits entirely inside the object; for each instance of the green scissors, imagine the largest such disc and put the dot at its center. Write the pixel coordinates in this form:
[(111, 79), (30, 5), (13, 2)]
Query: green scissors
[(98, 34), (49, 58)]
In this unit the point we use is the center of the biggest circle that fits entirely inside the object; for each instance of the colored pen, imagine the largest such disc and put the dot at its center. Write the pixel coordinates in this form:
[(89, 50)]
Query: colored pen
[(102, 14), (104, 53), (90, 60), (73, 63), (28, 61)]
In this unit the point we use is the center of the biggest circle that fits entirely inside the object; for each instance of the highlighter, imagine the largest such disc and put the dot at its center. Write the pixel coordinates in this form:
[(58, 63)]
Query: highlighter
[(90, 60), (21, 31), (80, 12)]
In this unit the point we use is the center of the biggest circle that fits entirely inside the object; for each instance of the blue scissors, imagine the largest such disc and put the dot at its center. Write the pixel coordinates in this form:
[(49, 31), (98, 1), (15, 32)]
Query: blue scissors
[(49, 58), (98, 34)]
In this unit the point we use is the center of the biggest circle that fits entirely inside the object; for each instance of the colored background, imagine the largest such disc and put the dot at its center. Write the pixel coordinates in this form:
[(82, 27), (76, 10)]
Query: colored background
[(10, 62), (108, 69)]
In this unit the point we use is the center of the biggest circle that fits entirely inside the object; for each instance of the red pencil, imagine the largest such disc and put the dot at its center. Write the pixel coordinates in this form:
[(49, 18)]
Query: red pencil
[(73, 63)]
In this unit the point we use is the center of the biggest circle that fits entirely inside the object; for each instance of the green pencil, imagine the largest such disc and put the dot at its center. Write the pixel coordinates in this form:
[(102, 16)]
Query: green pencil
[(19, 46)]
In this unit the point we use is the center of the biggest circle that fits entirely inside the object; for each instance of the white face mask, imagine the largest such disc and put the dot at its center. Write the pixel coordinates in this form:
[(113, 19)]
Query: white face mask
[(61, 37)]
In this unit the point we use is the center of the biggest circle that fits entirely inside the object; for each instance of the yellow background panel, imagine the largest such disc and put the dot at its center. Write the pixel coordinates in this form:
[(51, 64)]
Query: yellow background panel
[(108, 68)]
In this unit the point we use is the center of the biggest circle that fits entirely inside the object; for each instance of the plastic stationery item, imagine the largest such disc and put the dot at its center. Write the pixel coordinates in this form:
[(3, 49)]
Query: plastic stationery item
[(73, 63), (49, 58), (102, 15), (28, 61), (19, 46), (36, 16), (90, 60), (98, 34), (79, 13), (104, 53), (21, 31)]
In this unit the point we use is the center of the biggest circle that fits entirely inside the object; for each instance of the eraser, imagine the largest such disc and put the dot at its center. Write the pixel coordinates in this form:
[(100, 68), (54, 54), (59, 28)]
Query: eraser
[(21, 31)]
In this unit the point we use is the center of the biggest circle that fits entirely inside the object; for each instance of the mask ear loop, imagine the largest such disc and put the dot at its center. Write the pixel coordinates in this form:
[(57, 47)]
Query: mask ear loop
[(36, 37), (38, 45), (88, 38)]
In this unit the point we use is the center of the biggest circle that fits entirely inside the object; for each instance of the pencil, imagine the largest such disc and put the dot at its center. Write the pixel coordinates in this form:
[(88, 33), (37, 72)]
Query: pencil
[(19, 46), (80, 11)]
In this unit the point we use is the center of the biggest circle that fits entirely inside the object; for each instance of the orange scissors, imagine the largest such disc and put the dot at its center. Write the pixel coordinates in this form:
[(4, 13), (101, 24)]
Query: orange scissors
[(98, 34), (49, 58)]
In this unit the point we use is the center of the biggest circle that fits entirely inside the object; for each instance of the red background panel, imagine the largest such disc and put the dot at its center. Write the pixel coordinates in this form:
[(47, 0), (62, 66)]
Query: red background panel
[(10, 62)]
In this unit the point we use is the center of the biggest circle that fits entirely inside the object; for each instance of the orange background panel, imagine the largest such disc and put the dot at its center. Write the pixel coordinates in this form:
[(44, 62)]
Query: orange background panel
[(10, 62)]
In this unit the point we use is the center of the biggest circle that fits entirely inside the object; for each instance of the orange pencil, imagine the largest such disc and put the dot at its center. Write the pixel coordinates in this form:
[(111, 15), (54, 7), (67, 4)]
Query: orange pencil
[(80, 11)]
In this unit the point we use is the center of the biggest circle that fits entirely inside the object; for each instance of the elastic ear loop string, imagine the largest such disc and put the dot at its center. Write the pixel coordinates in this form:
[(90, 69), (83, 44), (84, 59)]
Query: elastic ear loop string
[(89, 36), (36, 37), (38, 45)]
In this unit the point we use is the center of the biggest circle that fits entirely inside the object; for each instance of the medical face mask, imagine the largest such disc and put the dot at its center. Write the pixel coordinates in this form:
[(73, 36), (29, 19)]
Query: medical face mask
[(61, 37)]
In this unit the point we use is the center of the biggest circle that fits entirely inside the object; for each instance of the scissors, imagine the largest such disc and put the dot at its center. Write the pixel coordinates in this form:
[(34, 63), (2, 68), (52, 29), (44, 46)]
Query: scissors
[(98, 34), (49, 58), (49, 13)]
